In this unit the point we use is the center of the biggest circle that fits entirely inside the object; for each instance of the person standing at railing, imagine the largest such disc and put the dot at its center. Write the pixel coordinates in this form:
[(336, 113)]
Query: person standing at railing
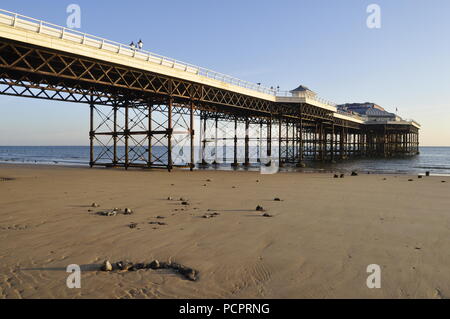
[(140, 44), (132, 45)]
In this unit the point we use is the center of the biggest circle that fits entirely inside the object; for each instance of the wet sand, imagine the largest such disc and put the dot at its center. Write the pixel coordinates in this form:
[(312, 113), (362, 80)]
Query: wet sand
[(323, 234)]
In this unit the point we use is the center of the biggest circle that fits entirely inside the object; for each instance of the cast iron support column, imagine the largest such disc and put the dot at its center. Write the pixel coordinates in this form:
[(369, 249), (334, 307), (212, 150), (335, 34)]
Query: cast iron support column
[(260, 142), (280, 133), (332, 143), (115, 135), (203, 141), (247, 140), (127, 135), (301, 142), (169, 135), (269, 140), (192, 133), (91, 135), (216, 130), (150, 134), (235, 160)]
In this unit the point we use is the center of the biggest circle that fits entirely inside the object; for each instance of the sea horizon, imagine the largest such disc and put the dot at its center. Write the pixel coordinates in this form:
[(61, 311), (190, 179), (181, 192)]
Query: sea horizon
[(433, 159)]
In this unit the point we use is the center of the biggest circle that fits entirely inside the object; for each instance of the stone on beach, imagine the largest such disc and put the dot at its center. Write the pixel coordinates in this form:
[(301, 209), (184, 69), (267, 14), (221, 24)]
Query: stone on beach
[(124, 266), (259, 208), (127, 211), (355, 173), (267, 215), (95, 205), (107, 266), (154, 264), (277, 199), (108, 213), (188, 273)]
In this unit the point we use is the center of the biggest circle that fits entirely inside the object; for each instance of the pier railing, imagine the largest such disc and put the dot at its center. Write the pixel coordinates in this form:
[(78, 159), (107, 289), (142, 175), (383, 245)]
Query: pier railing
[(20, 21)]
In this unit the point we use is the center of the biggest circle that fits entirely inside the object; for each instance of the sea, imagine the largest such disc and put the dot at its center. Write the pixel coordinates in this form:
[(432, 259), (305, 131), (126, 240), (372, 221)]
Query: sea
[(435, 160)]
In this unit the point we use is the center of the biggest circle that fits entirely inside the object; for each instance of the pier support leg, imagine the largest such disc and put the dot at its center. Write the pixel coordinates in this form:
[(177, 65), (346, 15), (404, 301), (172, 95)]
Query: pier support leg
[(169, 135), (216, 135), (280, 141), (301, 144), (150, 134), (235, 153), (269, 140), (91, 135), (203, 141), (115, 135), (192, 136), (332, 144), (247, 142), (127, 135)]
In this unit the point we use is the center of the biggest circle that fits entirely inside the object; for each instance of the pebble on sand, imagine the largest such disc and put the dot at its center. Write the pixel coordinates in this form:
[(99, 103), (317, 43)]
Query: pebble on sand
[(95, 205), (277, 199), (107, 266), (356, 174), (127, 211), (342, 176), (185, 203), (124, 266), (108, 213), (259, 208), (154, 264), (267, 215), (336, 176)]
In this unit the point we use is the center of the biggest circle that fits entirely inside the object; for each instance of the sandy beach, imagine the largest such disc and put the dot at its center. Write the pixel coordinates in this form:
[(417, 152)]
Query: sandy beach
[(318, 243)]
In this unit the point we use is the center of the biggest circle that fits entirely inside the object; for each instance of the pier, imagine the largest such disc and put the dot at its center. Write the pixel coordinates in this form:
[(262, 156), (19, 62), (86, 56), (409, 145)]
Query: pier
[(151, 111)]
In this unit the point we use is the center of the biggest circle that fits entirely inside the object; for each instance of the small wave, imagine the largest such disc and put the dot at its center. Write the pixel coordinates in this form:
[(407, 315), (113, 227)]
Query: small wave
[(434, 167)]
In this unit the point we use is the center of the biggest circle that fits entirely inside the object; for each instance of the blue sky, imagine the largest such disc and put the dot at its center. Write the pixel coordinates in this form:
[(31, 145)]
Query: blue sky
[(322, 44)]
